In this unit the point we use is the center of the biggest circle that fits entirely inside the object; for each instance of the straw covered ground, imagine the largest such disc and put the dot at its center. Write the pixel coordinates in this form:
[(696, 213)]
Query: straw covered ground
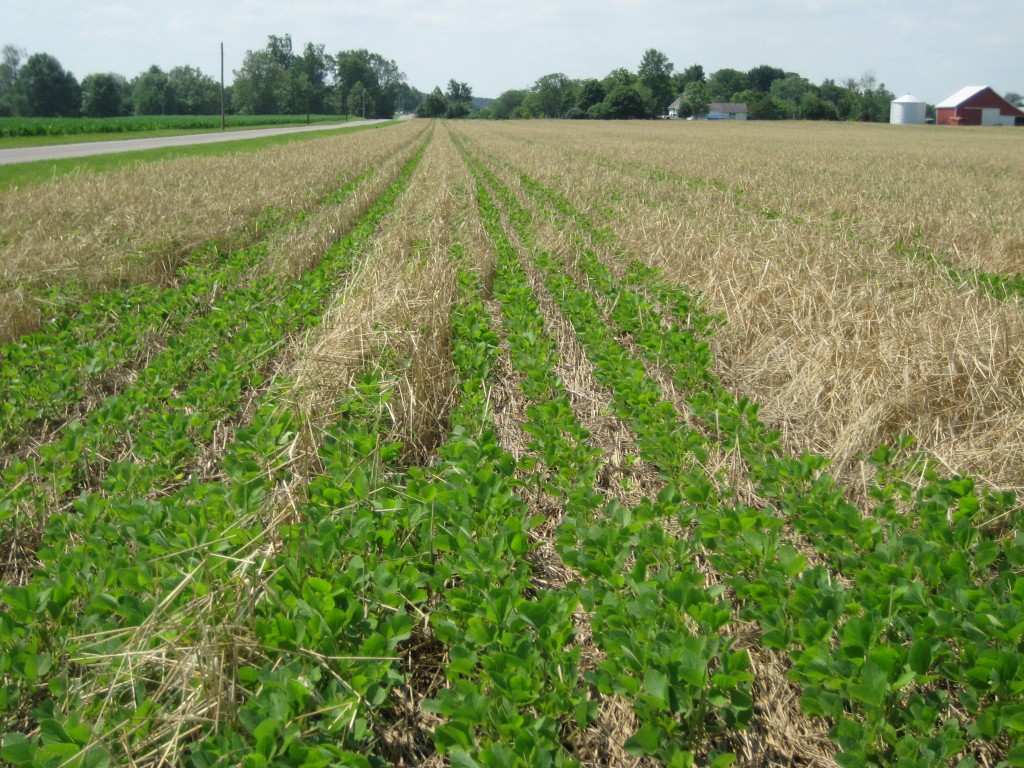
[(809, 239), (519, 444)]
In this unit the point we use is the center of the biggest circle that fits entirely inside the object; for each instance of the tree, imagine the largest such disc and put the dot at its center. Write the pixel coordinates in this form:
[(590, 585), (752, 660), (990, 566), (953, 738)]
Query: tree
[(294, 96), (523, 111), (867, 100), (764, 108), (591, 92), (105, 95), (724, 83), (555, 94), (624, 102), (317, 67), (875, 103), (655, 73), (457, 110), (845, 101), (867, 81), (276, 80), (692, 74), (789, 92), (813, 107), (1014, 98), (409, 98), (259, 84), (760, 78), (388, 79), (435, 105), (357, 100), (280, 50), (460, 99), (380, 76), (279, 80), (696, 98), (43, 88), (351, 67), (620, 76), (459, 92), (194, 93), (151, 93), (507, 103), (10, 63)]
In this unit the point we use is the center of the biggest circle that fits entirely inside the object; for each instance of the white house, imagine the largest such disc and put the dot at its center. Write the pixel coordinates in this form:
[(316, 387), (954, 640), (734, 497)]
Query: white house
[(717, 110), (726, 110)]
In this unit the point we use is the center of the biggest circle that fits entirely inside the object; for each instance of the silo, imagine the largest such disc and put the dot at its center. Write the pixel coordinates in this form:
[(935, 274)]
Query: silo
[(907, 110)]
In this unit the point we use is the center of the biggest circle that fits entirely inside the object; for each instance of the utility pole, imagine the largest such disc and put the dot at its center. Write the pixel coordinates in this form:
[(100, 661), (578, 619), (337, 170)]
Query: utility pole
[(222, 85)]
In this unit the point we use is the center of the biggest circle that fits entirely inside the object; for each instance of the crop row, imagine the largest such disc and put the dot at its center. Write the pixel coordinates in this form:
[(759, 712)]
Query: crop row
[(374, 551), (655, 622), (208, 606), (157, 422), (203, 624), (900, 628), (146, 531), (939, 525), (44, 375), (1004, 287)]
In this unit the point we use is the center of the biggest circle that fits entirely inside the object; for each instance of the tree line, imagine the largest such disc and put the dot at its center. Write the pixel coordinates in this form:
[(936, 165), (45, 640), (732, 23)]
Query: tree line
[(456, 102), (770, 93), (274, 80), (279, 80)]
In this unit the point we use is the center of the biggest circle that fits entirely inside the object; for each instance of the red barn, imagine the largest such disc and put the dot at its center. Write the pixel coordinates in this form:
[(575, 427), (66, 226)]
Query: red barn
[(977, 105)]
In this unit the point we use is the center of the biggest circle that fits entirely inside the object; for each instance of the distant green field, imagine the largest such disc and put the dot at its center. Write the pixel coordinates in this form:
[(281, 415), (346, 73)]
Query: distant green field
[(11, 127)]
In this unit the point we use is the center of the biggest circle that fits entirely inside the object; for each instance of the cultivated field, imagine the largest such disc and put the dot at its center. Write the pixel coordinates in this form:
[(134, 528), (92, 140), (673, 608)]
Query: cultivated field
[(533, 443)]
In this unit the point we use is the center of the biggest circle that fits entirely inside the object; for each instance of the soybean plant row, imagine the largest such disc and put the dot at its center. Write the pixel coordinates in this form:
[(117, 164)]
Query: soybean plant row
[(178, 590), (914, 609), (118, 540)]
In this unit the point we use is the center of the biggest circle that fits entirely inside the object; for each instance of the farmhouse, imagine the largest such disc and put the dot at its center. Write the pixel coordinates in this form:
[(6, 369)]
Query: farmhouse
[(977, 105), (726, 110), (717, 110)]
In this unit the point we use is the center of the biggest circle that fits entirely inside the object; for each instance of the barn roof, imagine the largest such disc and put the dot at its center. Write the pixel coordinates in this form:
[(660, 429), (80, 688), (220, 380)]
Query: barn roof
[(961, 96), (727, 106)]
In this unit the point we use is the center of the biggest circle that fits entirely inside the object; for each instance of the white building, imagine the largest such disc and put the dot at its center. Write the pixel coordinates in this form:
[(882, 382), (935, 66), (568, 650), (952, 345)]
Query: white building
[(717, 110), (726, 110), (907, 110)]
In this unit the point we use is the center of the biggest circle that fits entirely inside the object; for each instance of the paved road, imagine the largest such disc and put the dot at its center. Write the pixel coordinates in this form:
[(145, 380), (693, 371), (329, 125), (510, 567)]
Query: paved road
[(61, 151)]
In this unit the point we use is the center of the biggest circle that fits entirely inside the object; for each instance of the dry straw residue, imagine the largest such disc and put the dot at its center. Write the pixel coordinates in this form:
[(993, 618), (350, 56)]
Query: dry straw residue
[(791, 233), (138, 223), (395, 313)]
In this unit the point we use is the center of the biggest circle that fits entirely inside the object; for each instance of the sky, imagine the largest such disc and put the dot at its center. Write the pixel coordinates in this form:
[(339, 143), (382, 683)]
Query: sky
[(930, 48)]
